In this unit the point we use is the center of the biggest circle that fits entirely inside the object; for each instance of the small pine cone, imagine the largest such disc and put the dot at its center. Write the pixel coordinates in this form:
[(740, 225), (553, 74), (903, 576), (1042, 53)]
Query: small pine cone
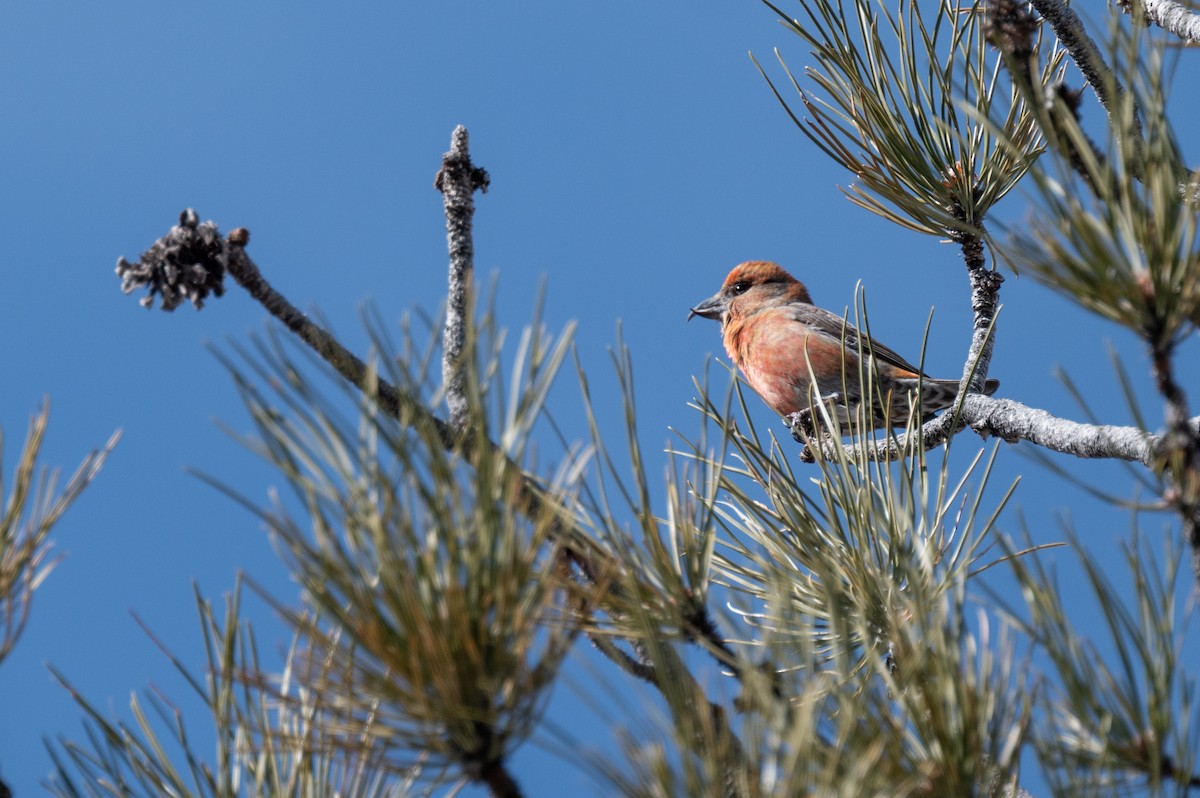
[(186, 264)]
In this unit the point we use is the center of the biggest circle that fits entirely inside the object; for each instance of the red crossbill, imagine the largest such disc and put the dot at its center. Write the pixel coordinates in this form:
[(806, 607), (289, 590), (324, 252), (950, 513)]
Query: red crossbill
[(783, 343)]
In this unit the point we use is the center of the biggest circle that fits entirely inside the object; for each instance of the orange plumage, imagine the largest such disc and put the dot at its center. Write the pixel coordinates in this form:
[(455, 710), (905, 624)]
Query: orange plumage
[(783, 344)]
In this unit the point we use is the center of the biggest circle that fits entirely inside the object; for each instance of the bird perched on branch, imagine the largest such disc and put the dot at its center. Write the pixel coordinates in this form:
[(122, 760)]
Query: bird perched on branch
[(783, 343)]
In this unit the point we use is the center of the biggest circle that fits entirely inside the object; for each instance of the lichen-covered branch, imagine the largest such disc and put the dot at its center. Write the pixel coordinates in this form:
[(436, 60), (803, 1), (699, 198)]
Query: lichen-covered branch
[(458, 180), (985, 304), (1013, 422), (1170, 15)]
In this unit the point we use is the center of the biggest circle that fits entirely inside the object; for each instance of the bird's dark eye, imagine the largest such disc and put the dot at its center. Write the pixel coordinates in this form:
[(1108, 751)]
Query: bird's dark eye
[(740, 288)]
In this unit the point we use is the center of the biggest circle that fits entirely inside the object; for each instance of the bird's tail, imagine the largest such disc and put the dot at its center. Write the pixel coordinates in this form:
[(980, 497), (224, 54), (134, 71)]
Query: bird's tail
[(939, 394), (936, 395)]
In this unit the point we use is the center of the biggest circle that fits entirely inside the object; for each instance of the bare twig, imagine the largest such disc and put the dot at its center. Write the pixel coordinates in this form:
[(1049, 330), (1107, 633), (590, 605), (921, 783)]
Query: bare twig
[(458, 180), (394, 402)]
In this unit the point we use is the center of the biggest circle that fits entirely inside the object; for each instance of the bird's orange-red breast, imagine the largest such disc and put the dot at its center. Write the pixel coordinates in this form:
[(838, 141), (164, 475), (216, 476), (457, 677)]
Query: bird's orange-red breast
[(793, 352)]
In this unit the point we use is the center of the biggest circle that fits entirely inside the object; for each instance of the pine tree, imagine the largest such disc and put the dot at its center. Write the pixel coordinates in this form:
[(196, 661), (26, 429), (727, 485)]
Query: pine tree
[(446, 573)]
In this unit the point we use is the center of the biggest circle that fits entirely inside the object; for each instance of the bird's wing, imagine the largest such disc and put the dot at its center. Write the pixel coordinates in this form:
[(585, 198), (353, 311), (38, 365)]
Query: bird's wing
[(841, 329)]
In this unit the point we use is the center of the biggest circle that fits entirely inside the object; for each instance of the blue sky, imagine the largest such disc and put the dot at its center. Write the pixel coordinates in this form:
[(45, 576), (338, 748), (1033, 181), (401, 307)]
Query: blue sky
[(635, 154)]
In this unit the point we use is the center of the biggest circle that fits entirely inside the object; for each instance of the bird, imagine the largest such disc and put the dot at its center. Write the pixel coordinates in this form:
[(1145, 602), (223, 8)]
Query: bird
[(794, 353)]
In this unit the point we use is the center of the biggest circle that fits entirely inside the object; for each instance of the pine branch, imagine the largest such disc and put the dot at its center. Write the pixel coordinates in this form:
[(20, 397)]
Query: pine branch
[(28, 513), (189, 262)]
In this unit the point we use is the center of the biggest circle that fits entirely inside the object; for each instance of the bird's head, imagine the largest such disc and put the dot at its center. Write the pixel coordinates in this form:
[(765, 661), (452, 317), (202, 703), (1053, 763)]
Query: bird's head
[(752, 284)]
